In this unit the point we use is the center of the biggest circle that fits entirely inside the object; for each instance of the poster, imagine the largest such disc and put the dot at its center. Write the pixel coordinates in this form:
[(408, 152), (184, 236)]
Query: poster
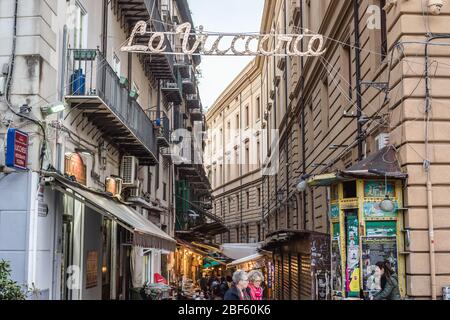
[(91, 269), (376, 189), (375, 249), (336, 269), (352, 271), (373, 210), (334, 211), (381, 228)]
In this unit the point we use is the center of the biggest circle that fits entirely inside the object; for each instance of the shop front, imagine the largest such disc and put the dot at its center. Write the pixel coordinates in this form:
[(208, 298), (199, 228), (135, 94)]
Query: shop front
[(366, 220), (300, 266), (100, 237)]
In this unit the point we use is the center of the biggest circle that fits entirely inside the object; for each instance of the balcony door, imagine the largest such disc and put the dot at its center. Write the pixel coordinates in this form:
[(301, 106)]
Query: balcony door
[(79, 19)]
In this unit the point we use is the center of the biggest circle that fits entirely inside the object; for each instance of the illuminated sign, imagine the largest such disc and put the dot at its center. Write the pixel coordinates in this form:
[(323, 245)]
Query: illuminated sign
[(17, 149), (286, 44)]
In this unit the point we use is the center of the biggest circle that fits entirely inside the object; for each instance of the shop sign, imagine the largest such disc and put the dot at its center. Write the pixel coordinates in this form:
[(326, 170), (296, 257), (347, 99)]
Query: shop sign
[(42, 206), (286, 44), (375, 249), (17, 149)]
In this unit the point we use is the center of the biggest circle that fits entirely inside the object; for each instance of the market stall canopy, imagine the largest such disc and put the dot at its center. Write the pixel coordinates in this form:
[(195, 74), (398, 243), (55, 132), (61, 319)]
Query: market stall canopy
[(383, 163), (146, 234), (240, 250), (212, 255), (253, 257)]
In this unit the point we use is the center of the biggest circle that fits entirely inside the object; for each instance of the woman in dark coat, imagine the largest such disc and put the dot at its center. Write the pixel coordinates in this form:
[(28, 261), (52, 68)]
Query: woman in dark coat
[(389, 283), (238, 290)]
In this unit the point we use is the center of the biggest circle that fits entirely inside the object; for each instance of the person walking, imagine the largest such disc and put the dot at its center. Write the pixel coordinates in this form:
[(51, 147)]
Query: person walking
[(223, 287), (204, 283), (255, 290), (389, 283), (238, 289)]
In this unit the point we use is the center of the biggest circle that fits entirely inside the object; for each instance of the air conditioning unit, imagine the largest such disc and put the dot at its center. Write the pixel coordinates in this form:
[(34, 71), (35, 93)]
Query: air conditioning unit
[(129, 170), (114, 186), (381, 141)]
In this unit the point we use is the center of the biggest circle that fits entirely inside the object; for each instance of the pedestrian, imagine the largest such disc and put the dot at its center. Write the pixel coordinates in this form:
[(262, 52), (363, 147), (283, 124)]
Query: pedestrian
[(204, 283), (229, 281), (389, 283), (255, 290), (238, 289), (223, 287)]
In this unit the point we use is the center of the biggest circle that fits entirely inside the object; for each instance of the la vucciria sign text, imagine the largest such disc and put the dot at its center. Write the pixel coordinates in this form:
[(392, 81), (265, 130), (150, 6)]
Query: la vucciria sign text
[(284, 44)]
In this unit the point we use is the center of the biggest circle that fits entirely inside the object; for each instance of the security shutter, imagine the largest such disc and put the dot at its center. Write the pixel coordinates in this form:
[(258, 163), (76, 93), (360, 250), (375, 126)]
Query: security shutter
[(294, 277), (277, 282), (305, 277), (286, 284)]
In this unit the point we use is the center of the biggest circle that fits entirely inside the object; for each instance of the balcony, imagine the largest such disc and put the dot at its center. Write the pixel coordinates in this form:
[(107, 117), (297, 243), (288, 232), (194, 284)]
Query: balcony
[(129, 12), (96, 93), (189, 83), (172, 91), (183, 64), (161, 127), (196, 114), (192, 101)]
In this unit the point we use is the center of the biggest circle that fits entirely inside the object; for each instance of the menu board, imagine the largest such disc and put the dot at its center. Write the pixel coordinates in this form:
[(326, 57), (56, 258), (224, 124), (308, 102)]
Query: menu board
[(375, 249)]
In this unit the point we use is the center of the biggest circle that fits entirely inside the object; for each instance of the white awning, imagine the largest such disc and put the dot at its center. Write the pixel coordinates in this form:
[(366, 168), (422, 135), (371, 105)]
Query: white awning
[(146, 234), (253, 257), (240, 250)]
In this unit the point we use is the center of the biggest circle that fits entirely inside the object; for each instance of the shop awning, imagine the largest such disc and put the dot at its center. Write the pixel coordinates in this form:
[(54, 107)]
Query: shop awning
[(240, 250), (146, 234), (383, 163), (253, 257)]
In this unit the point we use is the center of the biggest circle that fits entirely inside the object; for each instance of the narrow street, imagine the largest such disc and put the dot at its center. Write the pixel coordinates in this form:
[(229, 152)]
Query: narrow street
[(259, 150)]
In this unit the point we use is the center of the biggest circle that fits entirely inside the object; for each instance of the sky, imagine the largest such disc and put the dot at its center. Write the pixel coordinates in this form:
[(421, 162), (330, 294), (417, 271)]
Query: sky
[(223, 16)]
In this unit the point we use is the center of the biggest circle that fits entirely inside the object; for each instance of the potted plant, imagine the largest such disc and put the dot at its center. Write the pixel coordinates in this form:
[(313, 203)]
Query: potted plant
[(9, 289)]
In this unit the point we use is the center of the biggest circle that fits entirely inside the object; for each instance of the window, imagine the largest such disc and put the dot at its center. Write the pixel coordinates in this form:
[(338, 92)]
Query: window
[(238, 124), (247, 196), (220, 174), (247, 157), (346, 62), (164, 191), (325, 103), (247, 116), (247, 233), (237, 235), (229, 205), (258, 108), (383, 39), (80, 27), (259, 232), (238, 205), (258, 154), (229, 130), (258, 196)]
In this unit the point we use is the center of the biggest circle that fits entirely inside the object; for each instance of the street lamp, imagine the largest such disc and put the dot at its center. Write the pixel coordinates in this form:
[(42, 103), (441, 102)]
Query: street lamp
[(53, 108), (302, 184), (280, 195)]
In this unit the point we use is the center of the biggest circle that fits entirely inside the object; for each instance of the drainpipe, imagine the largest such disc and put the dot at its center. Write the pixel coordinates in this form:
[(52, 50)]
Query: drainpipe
[(286, 73), (358, 77), (427, 166), (240, 165), (302, 103)]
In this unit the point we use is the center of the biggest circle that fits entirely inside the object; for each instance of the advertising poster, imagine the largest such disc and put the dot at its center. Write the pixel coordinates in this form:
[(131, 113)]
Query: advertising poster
[(373, 210), (377, 249), (376, 189), (334, 211), (336, 270), (352, 271)]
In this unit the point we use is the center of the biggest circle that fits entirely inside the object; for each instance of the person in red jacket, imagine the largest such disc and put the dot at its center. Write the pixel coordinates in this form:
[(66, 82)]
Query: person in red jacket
[(255, 289)]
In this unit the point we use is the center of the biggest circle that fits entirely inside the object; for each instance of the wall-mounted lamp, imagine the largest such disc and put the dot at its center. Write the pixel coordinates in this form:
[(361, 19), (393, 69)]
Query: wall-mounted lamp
[(337, 146), (53, 108), (303, 184)]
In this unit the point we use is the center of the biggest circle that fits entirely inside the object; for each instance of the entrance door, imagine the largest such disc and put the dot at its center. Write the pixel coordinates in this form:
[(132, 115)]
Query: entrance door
[(352, 272)]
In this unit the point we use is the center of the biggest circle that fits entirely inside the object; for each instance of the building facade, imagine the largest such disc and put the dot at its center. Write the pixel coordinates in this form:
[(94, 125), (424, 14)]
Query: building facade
[(370, 111), (100, 123)]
